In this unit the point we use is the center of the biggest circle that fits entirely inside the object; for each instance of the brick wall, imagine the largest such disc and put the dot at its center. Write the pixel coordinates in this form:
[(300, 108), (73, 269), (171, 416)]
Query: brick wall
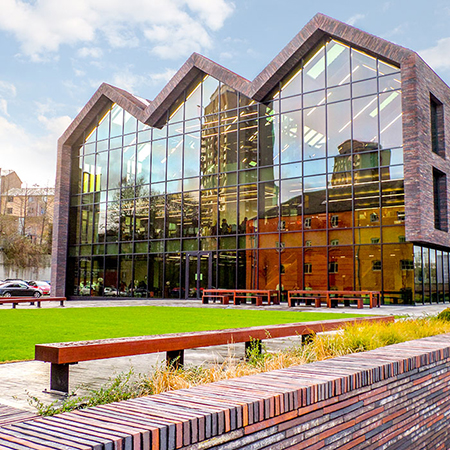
[(393, 397)]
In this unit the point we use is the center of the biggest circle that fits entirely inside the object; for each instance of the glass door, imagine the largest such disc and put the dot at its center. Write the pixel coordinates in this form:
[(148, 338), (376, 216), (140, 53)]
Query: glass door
[(198, 273)]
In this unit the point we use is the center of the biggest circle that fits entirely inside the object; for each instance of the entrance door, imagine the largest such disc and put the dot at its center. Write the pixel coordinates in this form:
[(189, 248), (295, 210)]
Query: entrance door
[(198, 273)]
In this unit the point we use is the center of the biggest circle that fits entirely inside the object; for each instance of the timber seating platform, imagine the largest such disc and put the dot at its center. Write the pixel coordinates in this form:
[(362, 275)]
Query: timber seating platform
[(32, 300), (9, 414), (348, 401), (239, 296), (62, 355), (332, 298)]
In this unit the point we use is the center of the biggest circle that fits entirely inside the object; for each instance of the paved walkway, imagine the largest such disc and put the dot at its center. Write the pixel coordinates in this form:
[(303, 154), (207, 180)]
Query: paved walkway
[(20, 380)]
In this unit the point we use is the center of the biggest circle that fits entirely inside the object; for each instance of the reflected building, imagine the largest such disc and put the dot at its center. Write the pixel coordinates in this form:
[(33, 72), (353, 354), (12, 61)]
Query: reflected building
[(315, 175)]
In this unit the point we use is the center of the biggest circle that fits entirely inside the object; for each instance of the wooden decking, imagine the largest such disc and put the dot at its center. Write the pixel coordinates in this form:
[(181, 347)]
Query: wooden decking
[(9, 415)]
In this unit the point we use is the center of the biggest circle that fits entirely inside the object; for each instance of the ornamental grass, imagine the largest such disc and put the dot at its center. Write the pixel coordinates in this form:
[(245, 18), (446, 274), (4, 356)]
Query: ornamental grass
[(350, 339)]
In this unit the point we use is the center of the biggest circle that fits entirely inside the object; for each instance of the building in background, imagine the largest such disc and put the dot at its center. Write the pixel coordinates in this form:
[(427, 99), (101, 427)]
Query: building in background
[(31, 209), (328, 171), (9, 180)]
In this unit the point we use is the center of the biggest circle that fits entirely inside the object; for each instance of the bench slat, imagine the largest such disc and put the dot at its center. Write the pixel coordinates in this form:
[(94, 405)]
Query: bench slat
[(72, 352)]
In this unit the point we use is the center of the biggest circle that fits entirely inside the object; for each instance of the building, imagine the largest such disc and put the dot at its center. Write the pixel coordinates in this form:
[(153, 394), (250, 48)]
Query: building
[(327, 171), (30, 210), (9, 180)]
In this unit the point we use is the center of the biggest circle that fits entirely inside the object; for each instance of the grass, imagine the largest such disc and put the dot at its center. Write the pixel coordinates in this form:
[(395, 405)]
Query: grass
[(21, 329), (351, 339)]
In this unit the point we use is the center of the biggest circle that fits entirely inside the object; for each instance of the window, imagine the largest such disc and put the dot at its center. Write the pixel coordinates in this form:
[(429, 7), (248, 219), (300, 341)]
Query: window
[(30, 199), (308, 243), (437, 126), (407, 264), (440, 200), (402, 239), (334, 221), (375, 240), (376, 266), (374, 217), (334, 242), (401, 216), (282, 225), (307, 268), (10, 198), (9, 210), (308, 222), (333, 267)]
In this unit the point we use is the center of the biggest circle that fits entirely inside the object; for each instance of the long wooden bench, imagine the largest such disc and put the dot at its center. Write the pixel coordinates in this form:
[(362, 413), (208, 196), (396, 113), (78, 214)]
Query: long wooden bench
[(331, 298), (63, 354), (31, 300)]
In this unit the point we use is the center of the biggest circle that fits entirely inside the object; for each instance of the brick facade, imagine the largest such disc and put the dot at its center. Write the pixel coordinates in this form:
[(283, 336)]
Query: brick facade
[(418, 82)]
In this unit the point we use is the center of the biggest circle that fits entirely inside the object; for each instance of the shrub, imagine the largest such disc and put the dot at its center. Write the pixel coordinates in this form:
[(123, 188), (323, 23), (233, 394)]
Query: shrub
[(444, 315)]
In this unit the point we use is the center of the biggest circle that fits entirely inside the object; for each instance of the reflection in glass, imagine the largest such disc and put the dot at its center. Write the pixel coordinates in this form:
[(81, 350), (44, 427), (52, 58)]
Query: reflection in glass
[(248, 142), (190, 214), (116, 121), (314, 132), (228, 211), (174, 158), (338, 63), (291, 137), (363, 65), (191, 155), (365, 120), (391, 119), (158, 161), (339, 127), (292, 85), (210, 95), (314, 71), (143, 163)]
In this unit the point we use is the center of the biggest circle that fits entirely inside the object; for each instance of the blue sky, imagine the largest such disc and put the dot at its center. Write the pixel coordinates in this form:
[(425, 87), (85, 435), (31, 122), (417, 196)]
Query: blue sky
[(55, 53)]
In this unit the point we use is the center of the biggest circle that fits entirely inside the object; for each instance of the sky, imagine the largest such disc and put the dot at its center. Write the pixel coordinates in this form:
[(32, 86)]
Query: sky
[(54, 54)]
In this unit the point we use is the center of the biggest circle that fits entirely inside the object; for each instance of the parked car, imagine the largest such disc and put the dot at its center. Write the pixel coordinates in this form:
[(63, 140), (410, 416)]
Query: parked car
[(19, 289), (42, 285)]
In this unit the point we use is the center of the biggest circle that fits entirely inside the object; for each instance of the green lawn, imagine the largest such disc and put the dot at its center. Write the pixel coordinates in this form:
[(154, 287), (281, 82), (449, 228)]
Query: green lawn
[(20, 329)]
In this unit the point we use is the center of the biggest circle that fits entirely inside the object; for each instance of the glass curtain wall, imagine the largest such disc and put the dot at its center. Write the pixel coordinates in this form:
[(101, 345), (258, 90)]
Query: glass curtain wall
[(304, 190)]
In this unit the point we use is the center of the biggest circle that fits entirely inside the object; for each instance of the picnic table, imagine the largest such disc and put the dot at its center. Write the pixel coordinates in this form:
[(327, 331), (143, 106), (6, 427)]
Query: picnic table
[(241, 295), (331, 298)]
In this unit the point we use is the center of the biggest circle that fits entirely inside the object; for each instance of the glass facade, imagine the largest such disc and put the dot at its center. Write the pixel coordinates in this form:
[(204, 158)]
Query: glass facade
[(303, 190)]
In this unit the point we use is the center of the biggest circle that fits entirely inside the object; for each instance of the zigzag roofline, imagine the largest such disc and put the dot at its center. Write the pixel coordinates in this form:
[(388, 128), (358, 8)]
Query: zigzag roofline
[(152, 112)]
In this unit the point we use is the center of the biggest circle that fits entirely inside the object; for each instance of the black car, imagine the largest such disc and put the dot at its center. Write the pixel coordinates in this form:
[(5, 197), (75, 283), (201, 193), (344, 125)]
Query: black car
[(18, 289)]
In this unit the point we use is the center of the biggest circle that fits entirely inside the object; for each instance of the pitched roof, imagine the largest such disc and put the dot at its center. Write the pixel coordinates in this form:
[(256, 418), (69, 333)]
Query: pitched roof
[(153, 112)]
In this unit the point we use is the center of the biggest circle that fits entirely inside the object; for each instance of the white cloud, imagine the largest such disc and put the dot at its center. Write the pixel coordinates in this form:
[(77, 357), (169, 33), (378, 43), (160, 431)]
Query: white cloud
[(355, 18), (438, 57), (130, 81), (174, 27), (90, 52), (4, 107), (33, 158), (7, 89), (163, 77)]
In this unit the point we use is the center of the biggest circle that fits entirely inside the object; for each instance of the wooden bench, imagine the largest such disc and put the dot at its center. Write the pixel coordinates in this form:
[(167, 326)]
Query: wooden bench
[(254, 294), (31, 300), (258, 295), (223, 294), (331, 298), (63, 354)]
